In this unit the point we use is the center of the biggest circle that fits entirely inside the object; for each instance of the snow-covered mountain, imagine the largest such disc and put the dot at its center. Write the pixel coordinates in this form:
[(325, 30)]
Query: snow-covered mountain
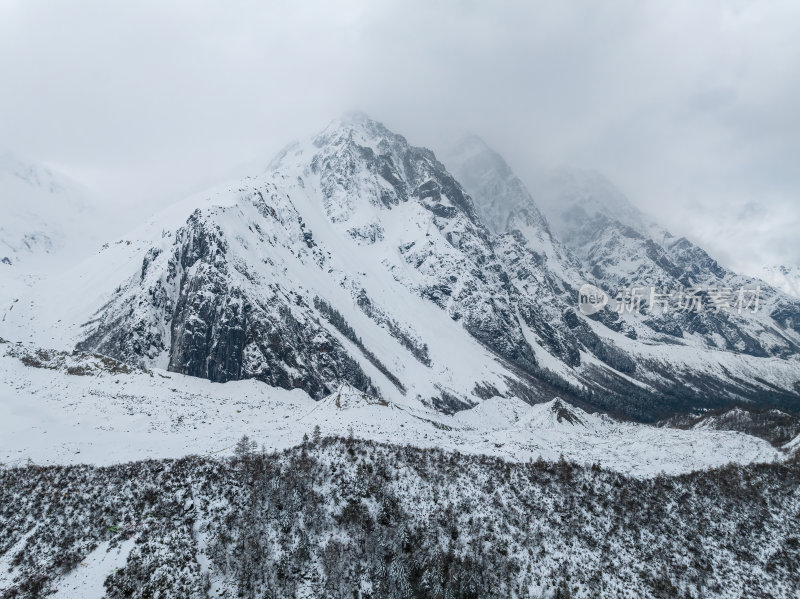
[(358, 257), (48, 224), (609, 243)]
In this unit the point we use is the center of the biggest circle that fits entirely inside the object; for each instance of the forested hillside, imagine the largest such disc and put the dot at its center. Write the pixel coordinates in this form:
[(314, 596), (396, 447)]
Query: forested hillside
[(347, 518)]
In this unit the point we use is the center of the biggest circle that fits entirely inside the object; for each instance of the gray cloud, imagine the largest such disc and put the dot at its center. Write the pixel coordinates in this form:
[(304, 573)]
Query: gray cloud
[(690, 107)]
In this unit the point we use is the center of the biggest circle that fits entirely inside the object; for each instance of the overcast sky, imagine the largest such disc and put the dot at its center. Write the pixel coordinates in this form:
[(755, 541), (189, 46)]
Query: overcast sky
[(691, 108)]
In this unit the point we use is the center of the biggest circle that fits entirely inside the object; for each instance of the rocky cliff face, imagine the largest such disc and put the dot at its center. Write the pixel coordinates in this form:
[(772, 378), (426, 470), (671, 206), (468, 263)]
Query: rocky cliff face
[(364, 172), (358, 257), (197, 309)]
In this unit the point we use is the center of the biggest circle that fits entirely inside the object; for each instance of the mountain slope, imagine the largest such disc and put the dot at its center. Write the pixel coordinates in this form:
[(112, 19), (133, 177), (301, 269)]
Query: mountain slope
[(486, 175), (48, 224), (356, 257), (777, 427), (64, 407)]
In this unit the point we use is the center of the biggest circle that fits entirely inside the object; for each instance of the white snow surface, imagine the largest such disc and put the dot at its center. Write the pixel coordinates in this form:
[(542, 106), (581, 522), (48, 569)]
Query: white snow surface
[(86, 581), (105, 417)]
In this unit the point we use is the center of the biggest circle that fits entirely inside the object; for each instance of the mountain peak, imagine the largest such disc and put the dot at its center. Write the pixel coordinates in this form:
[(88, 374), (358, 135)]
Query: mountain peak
[(571, 193), (357, 127), (555, 413), (497, 192), (355, 118)]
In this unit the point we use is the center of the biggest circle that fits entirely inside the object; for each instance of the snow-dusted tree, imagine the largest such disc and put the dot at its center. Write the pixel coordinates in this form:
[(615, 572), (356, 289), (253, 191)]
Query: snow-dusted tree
[(244, 447)]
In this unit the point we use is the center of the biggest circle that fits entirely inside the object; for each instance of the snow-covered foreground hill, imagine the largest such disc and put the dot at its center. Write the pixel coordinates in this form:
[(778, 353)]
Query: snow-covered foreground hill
[(350, 518), (63, 408)]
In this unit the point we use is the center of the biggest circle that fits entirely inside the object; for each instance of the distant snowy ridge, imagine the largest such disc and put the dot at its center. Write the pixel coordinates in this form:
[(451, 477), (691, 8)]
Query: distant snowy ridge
[(600, 238), (47, 218), (785, 278)]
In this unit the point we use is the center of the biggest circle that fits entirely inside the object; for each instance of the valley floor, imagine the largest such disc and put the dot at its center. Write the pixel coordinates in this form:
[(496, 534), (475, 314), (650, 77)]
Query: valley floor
[(71, 409)]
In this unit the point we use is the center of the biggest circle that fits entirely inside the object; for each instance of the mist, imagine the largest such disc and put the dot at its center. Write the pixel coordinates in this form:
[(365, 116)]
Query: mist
[(689, 108)]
